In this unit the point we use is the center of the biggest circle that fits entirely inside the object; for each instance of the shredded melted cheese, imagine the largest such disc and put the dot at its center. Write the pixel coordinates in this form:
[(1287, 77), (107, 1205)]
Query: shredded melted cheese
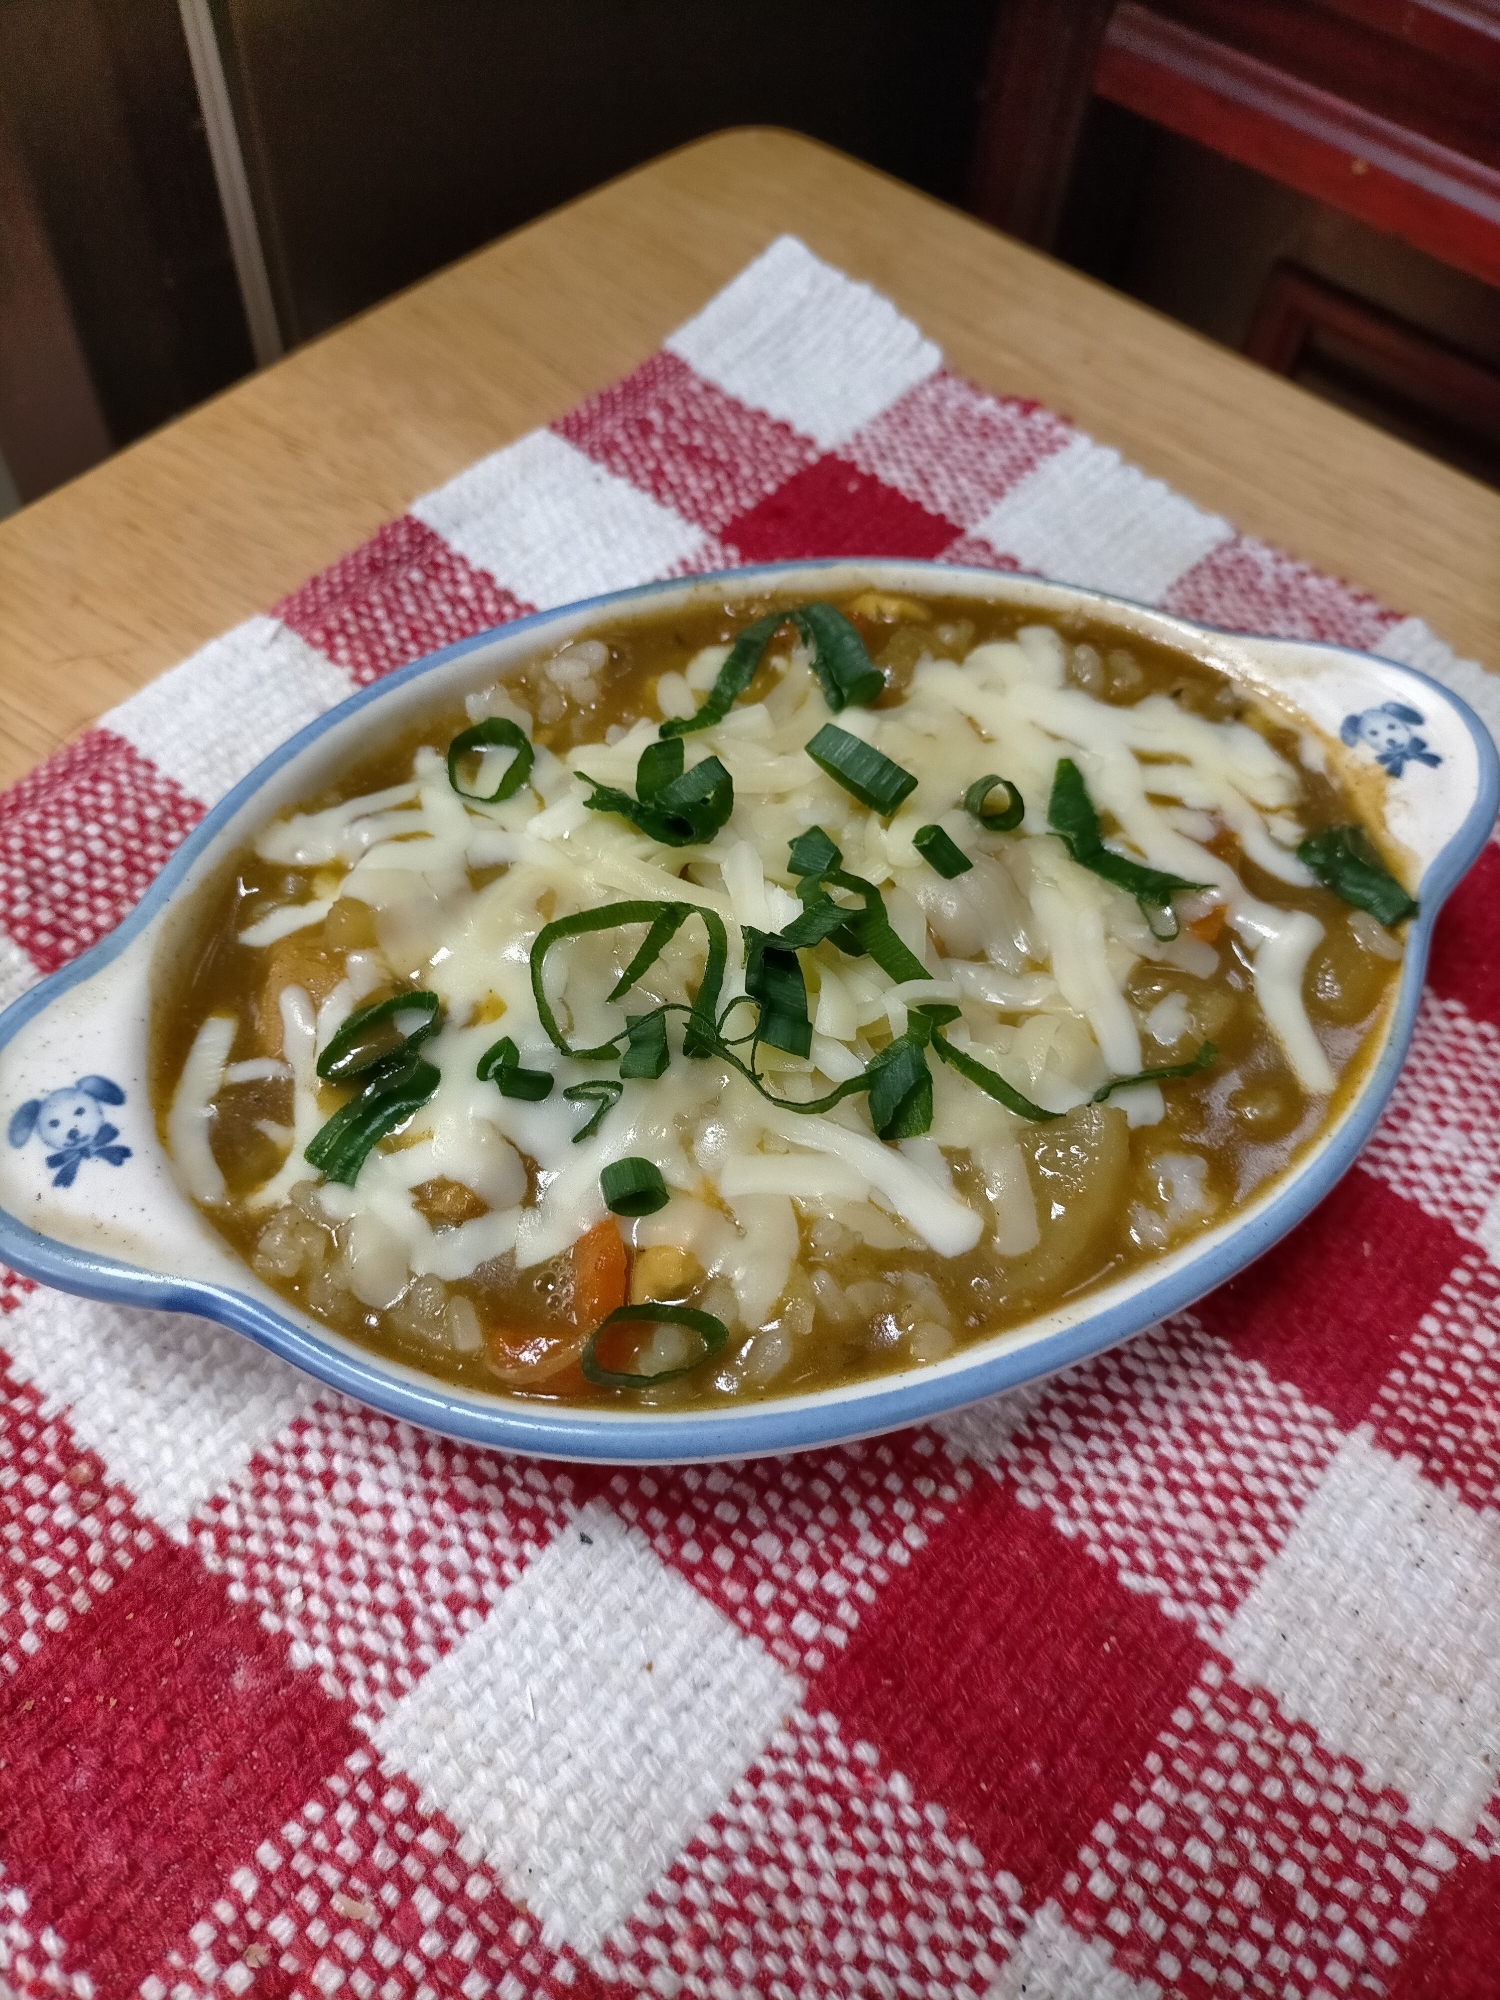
[(1036, 950)]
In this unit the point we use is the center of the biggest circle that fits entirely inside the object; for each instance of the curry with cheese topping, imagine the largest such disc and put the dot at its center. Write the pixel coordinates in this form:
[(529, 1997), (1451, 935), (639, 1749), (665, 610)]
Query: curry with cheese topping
[(774, 994)]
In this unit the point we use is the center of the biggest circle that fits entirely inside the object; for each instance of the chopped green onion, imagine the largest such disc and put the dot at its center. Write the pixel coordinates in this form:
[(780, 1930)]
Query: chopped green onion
[(821, 917), (733, 677), (390, 1096), (646, 1053), (773, 977), (663, 920), (373, 1035), (940, 852), (813, 853), (501, 1065), (1207, 1053), (500, 733), (995, 822), (676, 807), (1345, 861), (863, 771), (900, 1090), (844, 669), (897, 960), (857, 932), (664, 927), (989, 1081), (604, 1092), (934, 1013), (871, 929), (1071, 813), (633, 1187), (659, 765), (712, 1332)]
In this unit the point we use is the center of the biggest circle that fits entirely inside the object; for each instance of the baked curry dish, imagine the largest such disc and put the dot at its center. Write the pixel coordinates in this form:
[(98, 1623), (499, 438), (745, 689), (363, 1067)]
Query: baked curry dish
[(750, 999)]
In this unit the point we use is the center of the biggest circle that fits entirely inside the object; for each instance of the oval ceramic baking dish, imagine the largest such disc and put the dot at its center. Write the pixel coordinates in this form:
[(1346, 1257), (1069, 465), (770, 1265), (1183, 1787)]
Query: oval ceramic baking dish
[(89, 1201)]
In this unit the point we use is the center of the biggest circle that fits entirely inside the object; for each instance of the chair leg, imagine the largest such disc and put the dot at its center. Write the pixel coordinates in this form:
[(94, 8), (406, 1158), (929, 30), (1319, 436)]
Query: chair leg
[(1038, 84)]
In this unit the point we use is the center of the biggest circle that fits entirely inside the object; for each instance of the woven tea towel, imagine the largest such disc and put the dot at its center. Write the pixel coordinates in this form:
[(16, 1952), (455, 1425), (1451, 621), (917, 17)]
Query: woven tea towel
[(1176, 1674)]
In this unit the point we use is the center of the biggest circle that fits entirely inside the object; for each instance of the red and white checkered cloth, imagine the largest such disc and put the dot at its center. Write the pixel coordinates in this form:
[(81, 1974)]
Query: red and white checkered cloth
[(1178, 1674)]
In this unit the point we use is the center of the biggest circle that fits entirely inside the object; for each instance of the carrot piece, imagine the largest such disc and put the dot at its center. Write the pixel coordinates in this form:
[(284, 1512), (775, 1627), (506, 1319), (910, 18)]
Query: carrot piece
[(522, 1356), (1209, 924), (600, 1274)]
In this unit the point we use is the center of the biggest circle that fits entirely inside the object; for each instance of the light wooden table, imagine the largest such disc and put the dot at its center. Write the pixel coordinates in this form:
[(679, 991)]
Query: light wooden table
[(110, 580)]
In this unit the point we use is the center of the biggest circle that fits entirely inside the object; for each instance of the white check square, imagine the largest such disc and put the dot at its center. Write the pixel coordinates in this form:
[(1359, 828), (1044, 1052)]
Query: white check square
[(1379, 1623), (797, 339), (580, 1736), (1085, 516), (210, 721), (550, 525), (173, 1405)]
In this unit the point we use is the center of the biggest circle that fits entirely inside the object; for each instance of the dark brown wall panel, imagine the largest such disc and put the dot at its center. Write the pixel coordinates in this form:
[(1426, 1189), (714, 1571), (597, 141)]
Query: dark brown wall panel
[(385, 137)]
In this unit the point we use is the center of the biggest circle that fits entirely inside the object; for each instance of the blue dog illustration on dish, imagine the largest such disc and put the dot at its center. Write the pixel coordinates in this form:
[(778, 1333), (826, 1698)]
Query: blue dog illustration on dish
[(72, 1122), (1388, 732)]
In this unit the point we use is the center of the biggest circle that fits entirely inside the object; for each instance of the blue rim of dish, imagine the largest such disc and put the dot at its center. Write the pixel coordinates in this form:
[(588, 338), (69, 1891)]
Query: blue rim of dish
[(773, 1425)]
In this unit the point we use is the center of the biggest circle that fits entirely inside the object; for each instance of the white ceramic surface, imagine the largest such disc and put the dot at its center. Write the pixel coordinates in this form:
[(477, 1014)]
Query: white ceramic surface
[(89, 1202)]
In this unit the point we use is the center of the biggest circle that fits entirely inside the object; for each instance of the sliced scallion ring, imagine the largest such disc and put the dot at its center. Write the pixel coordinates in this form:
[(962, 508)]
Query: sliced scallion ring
[(866, 773), (633, 1187), (497, 732), (712, 1332), (995, 822)]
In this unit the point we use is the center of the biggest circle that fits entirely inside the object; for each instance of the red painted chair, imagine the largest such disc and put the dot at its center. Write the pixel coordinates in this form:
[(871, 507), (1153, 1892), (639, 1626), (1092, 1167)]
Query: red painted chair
[(1387, 109)]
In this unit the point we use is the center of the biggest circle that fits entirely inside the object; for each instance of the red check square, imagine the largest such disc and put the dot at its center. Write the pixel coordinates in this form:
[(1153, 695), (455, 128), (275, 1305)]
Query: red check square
[(402, 594), (147, 1752), (1331, 1307), (831, 508), (81, 838), (1014, 1681)]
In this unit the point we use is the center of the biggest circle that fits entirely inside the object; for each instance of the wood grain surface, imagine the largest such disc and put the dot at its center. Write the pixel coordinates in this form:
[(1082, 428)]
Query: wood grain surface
[(110, 580)]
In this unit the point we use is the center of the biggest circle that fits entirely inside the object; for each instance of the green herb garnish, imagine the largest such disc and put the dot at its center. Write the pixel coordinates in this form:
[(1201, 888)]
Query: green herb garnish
[(844, 669), (371, 1037), (712, 1332), (856, 932), (989, 1081), (1207, 1054), (633, 1187), (501, 1065), (495, 733), (663, 921), (646, 1052), (678, 807), (733, 677), (1071, 814), (1344, 860), (900, 1089), (995, 822), (941, 852), (863, 771), (604, 1092), (390, 1095), (773, 978)]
